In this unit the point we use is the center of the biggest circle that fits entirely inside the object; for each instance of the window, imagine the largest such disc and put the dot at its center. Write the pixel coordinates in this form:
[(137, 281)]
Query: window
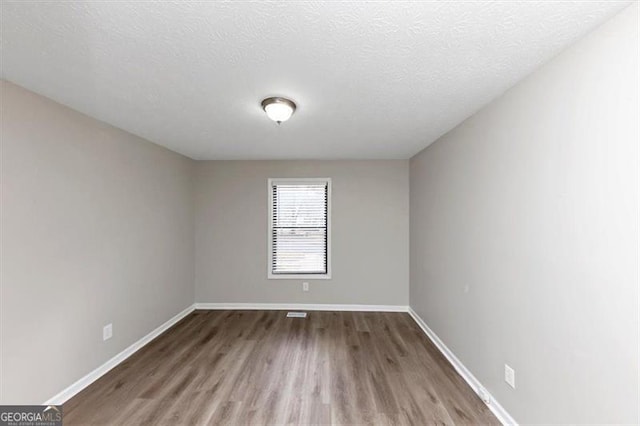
[(299, 234)]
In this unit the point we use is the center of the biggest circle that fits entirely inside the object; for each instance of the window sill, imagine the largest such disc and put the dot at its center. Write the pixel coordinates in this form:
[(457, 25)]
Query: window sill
[(299, 276)]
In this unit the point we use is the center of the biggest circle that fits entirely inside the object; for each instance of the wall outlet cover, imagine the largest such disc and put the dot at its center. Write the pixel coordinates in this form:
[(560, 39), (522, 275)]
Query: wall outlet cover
[(107, 332), (510, 376)]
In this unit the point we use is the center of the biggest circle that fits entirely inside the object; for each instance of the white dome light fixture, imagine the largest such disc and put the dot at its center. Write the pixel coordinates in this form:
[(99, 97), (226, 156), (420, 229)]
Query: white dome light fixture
[(278, 109)]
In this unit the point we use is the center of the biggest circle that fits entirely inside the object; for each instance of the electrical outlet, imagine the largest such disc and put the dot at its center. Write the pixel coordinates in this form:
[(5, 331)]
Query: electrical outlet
[(107, 332), (305, 286), (510, 376)]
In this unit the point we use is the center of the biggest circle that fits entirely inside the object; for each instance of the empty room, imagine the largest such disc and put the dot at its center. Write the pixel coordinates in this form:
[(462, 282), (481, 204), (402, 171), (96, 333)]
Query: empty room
[(319, 213)]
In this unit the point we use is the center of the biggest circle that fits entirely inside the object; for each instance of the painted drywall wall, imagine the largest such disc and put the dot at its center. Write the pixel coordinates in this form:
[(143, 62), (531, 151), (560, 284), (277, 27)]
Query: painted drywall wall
[(97, 228), (524, 236), (370, 232)]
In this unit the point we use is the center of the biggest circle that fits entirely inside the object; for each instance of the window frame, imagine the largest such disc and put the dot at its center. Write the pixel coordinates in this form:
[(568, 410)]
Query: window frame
[(296, 181)]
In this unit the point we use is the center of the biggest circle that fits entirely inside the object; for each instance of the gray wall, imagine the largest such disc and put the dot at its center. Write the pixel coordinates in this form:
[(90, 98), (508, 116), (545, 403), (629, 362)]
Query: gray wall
[(97, 227), (370, 235), (532, 206)]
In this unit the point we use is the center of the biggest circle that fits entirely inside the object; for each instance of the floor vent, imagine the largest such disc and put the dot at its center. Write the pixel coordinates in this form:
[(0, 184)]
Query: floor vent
[(296, 314)]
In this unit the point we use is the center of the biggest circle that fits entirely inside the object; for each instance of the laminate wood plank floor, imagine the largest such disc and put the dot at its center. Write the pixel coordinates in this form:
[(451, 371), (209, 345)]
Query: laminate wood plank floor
[(259, 367)]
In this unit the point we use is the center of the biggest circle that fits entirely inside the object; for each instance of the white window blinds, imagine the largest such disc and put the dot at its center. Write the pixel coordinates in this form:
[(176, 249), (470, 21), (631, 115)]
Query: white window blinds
[(299, 227)]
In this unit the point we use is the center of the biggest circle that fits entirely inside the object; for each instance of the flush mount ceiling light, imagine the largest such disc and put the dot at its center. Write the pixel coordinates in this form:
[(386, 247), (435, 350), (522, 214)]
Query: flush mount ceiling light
[(278, 109)]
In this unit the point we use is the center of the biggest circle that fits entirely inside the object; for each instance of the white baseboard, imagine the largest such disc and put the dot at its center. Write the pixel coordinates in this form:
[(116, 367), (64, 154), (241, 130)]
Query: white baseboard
[(85, 381), (300, 307), (495, 407)]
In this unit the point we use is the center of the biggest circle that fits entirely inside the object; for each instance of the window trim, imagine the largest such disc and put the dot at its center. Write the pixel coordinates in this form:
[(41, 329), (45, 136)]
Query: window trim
[(300, 181)]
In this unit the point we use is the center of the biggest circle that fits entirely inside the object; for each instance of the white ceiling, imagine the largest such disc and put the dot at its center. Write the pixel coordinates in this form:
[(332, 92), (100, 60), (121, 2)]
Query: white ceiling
[(371, 80)]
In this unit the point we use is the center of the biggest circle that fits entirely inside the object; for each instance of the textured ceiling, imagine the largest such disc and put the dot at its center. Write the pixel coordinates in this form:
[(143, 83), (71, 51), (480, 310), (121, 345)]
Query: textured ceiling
[(372, 80)]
